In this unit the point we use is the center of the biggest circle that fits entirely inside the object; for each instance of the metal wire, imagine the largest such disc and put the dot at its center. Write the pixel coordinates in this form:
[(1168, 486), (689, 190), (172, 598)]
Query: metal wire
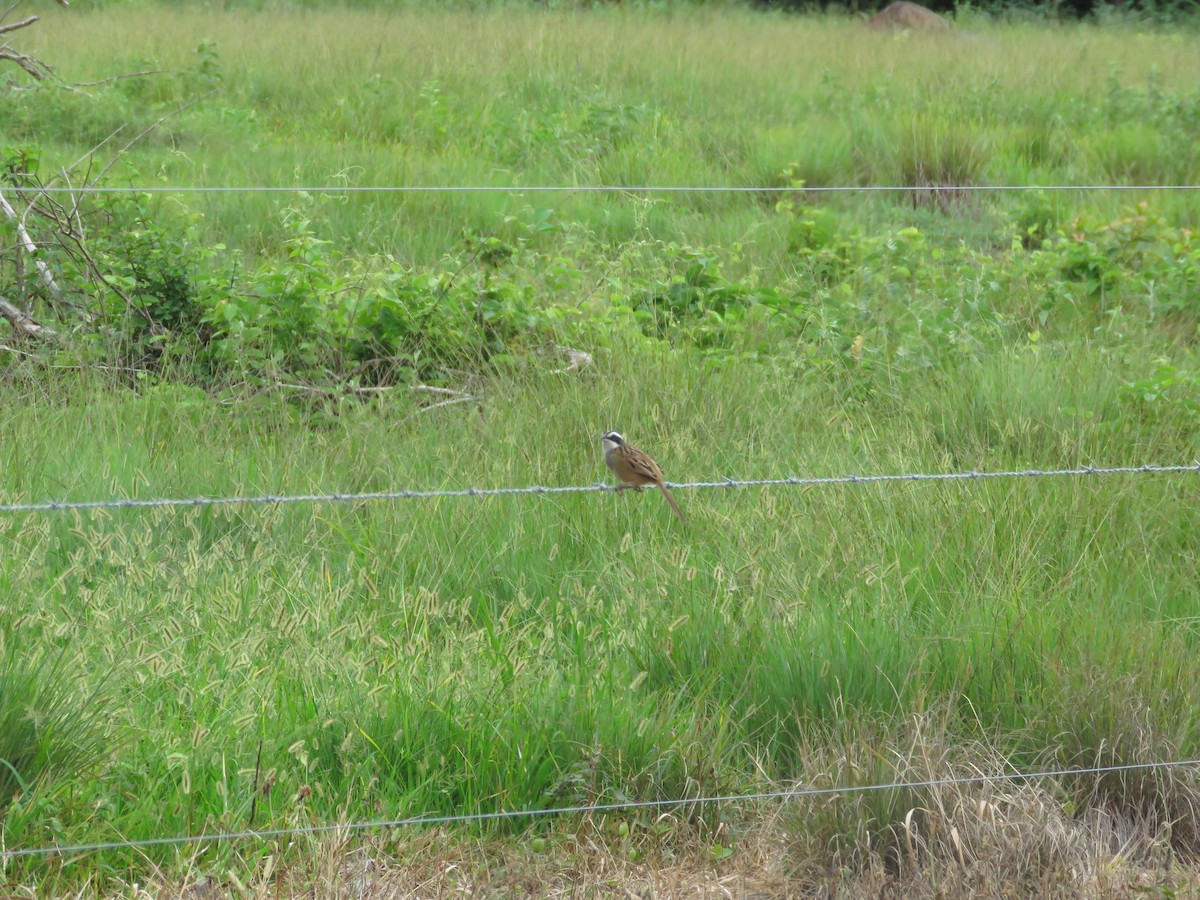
[(600, 188), (340, 497), (463, 818)]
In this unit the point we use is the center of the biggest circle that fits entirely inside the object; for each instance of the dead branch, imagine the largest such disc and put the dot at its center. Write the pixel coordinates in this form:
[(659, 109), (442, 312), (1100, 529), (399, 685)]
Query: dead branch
[(437, 390), (44, 273), (452, 395), (65, 219), (344, 390), (111, 78), (149, 128), (31, 64), (466, 398), (339, 390), (13, 26), (22, 323), (94, 367)]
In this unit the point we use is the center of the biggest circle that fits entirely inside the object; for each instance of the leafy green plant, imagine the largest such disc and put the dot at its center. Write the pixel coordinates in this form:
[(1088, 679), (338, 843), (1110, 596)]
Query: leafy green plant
[(1037, 219), (1168, 390)]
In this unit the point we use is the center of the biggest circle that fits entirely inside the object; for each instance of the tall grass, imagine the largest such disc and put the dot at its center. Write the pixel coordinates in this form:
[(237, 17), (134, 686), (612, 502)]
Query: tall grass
[(50, 728), (480, 654), (518, 96), (274, 665)]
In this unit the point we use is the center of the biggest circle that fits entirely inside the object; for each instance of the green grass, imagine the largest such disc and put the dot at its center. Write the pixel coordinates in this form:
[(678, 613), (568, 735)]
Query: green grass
[(453, 655), (266, 666), (514, 96)]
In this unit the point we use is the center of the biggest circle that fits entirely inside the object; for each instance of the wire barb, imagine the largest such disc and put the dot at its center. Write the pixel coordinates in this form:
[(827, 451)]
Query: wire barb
[(344, 497)]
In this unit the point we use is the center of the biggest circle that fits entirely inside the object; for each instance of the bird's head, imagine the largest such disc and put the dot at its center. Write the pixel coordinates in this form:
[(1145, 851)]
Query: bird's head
[(611, 440)]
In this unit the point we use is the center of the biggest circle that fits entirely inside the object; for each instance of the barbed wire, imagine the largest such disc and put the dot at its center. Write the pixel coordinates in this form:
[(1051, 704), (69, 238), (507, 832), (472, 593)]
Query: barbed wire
[(367, 496), (464, 818), (597, 188)]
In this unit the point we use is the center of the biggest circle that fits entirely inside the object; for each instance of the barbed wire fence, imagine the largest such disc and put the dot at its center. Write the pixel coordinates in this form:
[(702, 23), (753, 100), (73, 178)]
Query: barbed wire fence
[(587, 809), (46, 506), (797, 793), (783, 795)]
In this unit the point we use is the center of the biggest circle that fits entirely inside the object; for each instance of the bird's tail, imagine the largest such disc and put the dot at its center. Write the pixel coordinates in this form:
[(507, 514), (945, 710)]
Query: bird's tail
[(662, 487)]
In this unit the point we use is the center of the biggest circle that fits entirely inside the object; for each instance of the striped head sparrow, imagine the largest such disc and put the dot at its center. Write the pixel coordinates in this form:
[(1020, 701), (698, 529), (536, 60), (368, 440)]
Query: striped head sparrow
[(633, 467)]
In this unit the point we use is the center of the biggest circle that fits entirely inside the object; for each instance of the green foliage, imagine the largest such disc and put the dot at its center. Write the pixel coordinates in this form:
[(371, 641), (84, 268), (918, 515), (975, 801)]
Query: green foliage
[(154, 256), (899, 298), (1137, 254), (1167, 391), (1037, 219)]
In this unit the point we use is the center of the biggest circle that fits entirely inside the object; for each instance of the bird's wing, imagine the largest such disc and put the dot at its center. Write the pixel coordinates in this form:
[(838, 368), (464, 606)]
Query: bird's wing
[(643, 465)]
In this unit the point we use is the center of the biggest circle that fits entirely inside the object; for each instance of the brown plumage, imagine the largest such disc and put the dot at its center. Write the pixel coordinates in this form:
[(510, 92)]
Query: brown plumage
[(634, 468)]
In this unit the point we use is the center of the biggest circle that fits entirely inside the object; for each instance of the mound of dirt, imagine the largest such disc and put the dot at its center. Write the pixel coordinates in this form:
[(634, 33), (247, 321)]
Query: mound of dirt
[(904, 14)]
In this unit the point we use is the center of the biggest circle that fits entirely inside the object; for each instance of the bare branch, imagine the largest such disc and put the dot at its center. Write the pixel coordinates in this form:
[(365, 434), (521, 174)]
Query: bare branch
[(111, 78), (30, 64), (13, 26), (44, 273), (466, 398), (437, 390), (331, 391), (149, 128), (88, 156), (22, 323), (343, 390)]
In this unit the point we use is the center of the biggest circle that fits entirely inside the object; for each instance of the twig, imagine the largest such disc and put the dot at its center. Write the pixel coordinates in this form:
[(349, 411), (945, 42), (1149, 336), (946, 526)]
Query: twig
[(30, 64), (96, 367), (149, 128), (91, 153), (452, 396), (111, 78), (331, 391), (437, 390), (466, 398), (13, 26)]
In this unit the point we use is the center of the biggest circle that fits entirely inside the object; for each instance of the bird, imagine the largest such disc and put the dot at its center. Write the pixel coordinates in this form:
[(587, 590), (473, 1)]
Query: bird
[(635, 468)]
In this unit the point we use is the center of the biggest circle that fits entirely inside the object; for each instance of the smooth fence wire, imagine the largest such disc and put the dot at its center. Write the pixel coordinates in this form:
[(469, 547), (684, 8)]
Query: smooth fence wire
[(463, 818), (341, 497), (598, 188)]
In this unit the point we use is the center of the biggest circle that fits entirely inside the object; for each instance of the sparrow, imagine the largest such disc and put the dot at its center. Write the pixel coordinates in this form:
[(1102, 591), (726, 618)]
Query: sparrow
[(633, 467)]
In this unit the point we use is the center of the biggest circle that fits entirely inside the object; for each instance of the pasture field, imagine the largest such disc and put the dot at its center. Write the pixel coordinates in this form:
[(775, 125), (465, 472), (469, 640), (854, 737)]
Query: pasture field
[(184, 670)]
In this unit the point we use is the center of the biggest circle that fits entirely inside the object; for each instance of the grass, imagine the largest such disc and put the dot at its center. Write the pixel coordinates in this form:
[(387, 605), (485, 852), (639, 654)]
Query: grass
[(261, 667), (448, 655), (514, 96)]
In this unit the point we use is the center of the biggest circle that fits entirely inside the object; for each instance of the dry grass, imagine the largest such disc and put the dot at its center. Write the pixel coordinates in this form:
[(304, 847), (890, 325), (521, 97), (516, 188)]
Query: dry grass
[(994, 843), (999, 839)]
